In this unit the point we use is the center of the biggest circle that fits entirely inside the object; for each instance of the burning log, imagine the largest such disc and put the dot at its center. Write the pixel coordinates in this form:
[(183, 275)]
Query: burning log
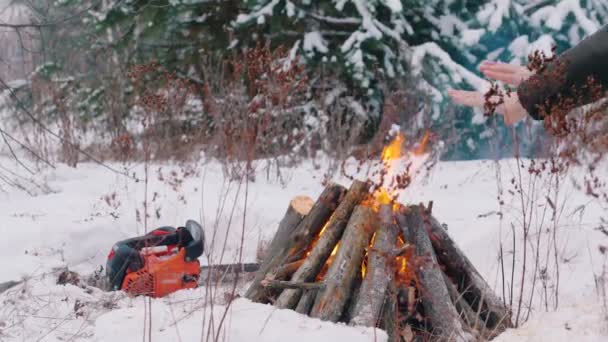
[(438, 306), (298, 230), (298, 208), (414, 279), (312, 224), (369, 302), (340, 277), (327, 242), (474, 288)]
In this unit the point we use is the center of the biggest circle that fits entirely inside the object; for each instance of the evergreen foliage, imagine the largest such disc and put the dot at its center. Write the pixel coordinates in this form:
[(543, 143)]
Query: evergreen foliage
[(354, 49)]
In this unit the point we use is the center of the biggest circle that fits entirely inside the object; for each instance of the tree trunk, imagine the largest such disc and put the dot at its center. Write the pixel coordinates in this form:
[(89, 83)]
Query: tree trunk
[(302, 232), (380, 272), (327, 241), (438, 306), (468, 279), (340, 277)]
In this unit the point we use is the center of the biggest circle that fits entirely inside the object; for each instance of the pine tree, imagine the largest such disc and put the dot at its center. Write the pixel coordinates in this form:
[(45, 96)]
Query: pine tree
[(356, 46), (440, 41)]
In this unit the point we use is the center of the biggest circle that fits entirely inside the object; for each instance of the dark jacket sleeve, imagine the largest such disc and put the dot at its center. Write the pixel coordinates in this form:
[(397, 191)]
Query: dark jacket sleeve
[(566, 76)]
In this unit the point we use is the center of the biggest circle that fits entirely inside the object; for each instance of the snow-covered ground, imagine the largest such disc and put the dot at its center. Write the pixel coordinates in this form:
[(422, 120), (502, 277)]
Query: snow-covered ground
[(78, 214)]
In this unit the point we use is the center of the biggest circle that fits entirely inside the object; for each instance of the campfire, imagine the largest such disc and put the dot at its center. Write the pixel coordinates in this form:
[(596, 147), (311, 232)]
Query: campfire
[(358, 256)]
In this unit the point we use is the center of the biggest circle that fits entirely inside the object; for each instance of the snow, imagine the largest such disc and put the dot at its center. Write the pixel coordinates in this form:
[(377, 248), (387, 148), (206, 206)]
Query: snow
[(314, 41), (493, 13), (455, 70), (76, 223), (520, 47), (247, 321), (582, 322), (555, 16), (259, 13), (471, 37), (394, 5)]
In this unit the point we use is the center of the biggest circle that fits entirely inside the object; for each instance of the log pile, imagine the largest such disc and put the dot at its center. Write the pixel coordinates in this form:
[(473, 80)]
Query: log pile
[(347, 258)]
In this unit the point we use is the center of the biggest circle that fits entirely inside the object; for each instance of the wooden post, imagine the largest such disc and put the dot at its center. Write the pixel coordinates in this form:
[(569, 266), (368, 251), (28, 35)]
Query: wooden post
[(438, 306), (327, 241), (342, 273), (474, 288), (302, 232), (380, 272)]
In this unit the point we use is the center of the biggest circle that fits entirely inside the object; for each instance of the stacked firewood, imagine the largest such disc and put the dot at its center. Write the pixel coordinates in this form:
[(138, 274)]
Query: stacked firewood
[(342, 259)]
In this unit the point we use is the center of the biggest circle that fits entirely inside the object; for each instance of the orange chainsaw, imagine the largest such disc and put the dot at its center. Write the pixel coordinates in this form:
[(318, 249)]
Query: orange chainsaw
[(161, 262)]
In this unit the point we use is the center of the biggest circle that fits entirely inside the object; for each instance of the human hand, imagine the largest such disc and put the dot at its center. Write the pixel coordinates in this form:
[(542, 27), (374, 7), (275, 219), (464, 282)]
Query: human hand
[(507, 73), (511, 109)]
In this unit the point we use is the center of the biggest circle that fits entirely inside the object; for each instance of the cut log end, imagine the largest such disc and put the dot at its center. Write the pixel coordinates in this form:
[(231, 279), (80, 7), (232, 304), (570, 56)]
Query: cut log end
[(302, 204)]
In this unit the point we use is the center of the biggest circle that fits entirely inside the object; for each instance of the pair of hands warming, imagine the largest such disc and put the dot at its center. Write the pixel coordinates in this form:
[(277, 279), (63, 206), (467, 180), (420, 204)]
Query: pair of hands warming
[(511, 109)]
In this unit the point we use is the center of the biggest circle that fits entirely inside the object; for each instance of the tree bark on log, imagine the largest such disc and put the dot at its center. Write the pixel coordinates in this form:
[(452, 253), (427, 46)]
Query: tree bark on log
[(324, 246), (401, 219), (306, 301), (312, 224), (380, 272), (438, 306), (282, 284), (286, 270), (342, 273), (302, 233), (389, 316), (299, 207), (474, 288), (469, 316)]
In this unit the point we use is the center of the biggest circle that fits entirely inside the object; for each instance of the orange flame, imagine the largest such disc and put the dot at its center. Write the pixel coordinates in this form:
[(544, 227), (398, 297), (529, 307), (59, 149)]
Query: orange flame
[(363, 270), (422, 146), (390, 152), (401, 263), (335, 250), (393, 150), (317, 238)]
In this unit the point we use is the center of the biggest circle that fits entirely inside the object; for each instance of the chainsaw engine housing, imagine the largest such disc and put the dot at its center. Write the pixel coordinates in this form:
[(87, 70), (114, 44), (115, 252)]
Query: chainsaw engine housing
[(158, 263)]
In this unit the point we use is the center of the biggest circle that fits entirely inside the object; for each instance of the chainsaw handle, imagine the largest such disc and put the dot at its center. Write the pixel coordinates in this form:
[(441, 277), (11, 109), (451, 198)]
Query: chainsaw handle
[(196, 246)]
